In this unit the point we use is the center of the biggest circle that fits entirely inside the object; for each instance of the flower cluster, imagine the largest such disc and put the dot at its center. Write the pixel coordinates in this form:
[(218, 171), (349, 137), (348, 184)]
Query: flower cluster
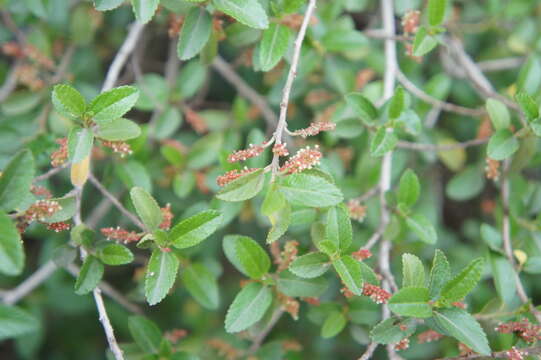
[(59, 226), (318, 97), (346, 292), (120, 234), (175, 335), (377, 294), (224, 349), (515, 354), (410, 21), (362, 254), (28, 51), (280, 149), (167, 216), (524, 329), (42, 209), (60, 156), (290, 305), (402, 344), (492, 169), (29, 75), (197, 122), (41, 191), (356, 210), (241, 155), (233, 175), (428, 336), (304, 159), (312, 301), (120, 147), (315, 128)]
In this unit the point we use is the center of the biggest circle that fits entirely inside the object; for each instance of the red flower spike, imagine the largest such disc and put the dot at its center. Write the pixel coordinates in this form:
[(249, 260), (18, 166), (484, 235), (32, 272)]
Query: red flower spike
[(356, 210), (280, 149), (515, 354), (402, 344), (119, 147), (304, 159), (362, 254), (167, 216), (527, 331), (242, 155), (41, 191), (377, 294), (42, 209), (346, 292), (121, 235), (315, 128), (58, 226), (312, 301), (410, 21), (233, 175), (60, 156), (428, 336)]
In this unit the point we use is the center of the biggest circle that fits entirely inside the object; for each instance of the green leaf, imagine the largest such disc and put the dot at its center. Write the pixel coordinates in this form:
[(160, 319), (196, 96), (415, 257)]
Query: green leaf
[(291, 285), (11, 247), (145, 333), (423, 42), (492, 237), (114, 254), (113, 104), (247, 12), (15, 322), (280, 221), (436, 11), (458, 287), (350, 273), (423, 228), (310, 190), (362, 107), (413, 271), (439, 274), (273, 46), (118, 130), (144, 9), (411, 301), (195, 33), (146, 207), (80, 141), (462, 326), (343, 40), (89, 276), (333, 325), (529, 77), (409, 188), (528, 105), (499, 114), (310, 265), (160, 275), (243, 188), (397, 103), (16, 179), (466, 184), (383, 141), (249, 306), (193, 230), (202, 285), (504, 277), (68, 101), (502, 145), (392, 330), (104, 5), (246, 255), (338, 228)]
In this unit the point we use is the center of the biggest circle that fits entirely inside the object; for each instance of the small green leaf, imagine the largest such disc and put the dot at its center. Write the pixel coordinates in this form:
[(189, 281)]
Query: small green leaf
[(333, 325), (68, 101), (338, 228), (502, 145), (195, 33), (104, 5), (16, 179), (310, 190), (413, 271), (350, 273), (249, 306), (113, 104), (145, 333), (246, 255), (160, 275), (397, 103), (409, 188), (383, 141), (411, 301), (280, 221), (243, 188), (362, 107), (499, 114), (146, 207), (310, 265), (202, 285), (423, 228), (436, 11), (492, 237), (423, 42), (118, 130), (89, 276), (504, 277), (80, 141), (11, 247), (144, 9), (114, 254), (193, 230), (15, 322), (529, 77), (439, 274), (392, 330), (466, 184), (273, 46), (247, 12), (528, 105), (291, 285), (458, 287)]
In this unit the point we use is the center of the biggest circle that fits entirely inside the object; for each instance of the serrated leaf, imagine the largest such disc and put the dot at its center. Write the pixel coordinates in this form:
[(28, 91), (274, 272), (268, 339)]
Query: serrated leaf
[(280, 221), (409, 188), (145, 333), (362, 107), (15, 322), (243, 188), (423, 42), (310, 265), (291, 285), (273, 46), (397, 103), (11, 247), (440, 273), (144, 9), (383, 141), (436, 11), (392, 330), (502, 145), (350, 273), (193, 230), (458, 287), (113, 104), (274, 201), (338, 228), (89, 276), (504, 277), (118, 130), (114, 254), (249, 306), (528, 105), (160, 275), (247, 12), (202, 285), (333, 325), (195, 33), (498, 113), (411, 301), (423, 228), (462, 326), (529, 77), (68, 101), (146, 207), (310, 190), (246, 255), (16, 179), (80, 141), (413, 271)]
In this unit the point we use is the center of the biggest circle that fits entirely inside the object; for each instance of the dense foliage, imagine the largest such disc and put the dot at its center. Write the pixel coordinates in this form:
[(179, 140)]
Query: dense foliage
[(270, 179)]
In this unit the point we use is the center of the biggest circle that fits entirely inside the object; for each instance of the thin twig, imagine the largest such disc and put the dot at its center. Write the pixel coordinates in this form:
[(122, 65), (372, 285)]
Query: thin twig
[(500, 64), (10, 83), (33, 281), (448, 147), (258, 340), (51, 172), (369, 351), (381, 34), (368, 194)]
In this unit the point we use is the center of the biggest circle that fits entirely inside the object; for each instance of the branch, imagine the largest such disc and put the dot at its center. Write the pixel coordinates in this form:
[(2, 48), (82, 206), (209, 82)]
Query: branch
[(258, 340), (12, 297), (431, 147), (534, 350), (500, 64), (369, 351), (51, 172), (11, 81)]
